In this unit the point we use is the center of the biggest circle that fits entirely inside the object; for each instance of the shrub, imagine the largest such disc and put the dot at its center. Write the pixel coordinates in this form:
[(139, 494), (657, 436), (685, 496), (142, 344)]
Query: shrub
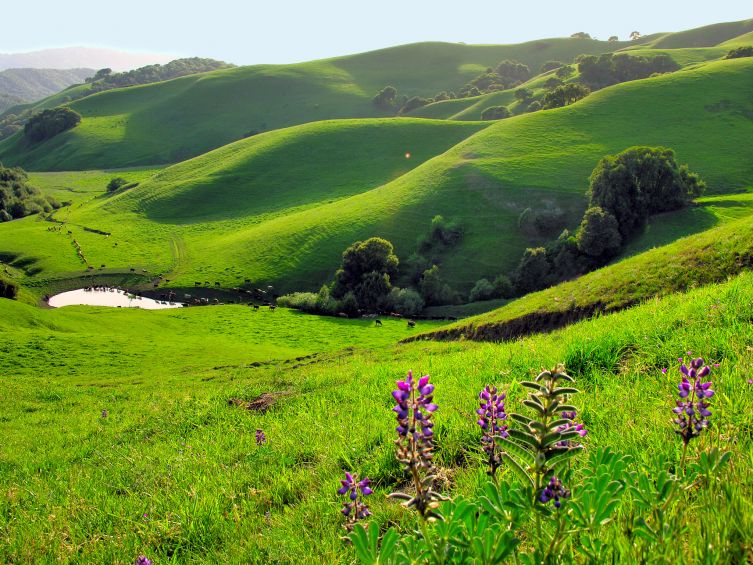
[(413, 103), (599, 234), (495, 113), (18, 198), (608, 68), (564, 95), (503, 287), (443, 234), (482, 290), (434, 290), (534, 271), (534, 106), (550, 66), (405, 301), (360, 260), (8, 289), (523, 94), (386, 98), (116, 183), (740, 52), (49, 123), (641, 181)]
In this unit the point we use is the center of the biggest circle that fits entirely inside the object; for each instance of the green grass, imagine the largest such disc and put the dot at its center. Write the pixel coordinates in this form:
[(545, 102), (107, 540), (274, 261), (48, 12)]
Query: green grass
[(706, 36), (703, 257), (174, 120), (173, 471), (294, 239)]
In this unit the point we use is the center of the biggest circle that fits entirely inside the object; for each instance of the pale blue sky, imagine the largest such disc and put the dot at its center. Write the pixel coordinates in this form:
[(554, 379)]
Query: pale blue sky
[(278, 31)]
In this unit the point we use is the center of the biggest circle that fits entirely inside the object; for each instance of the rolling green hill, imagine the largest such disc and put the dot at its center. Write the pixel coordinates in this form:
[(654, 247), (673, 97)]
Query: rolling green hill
[(178, 119), (706, 36), (202, 222)]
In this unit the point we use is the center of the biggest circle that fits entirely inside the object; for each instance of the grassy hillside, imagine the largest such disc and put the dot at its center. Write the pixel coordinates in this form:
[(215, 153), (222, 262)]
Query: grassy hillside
[(702, 258), (174, 120), (706, 36), (30, 85), (294, 239), (173, 471)]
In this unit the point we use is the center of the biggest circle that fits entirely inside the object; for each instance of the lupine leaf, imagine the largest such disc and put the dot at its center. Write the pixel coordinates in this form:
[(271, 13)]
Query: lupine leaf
[(524, 437), (535, 386), (563, 457), (518, 470), (525, 420), (534, 406), (558, 423), (560, 391), (517, 449), (565, 408)]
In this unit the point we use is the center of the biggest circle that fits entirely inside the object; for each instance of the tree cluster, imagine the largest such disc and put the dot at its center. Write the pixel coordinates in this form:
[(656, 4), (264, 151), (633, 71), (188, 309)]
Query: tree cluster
[(495, 113), (624, 191), (508, 74), (740, 52), (105, 79), (564, 95), (51, 122), (8, 289), (18, 198), (608, 69)]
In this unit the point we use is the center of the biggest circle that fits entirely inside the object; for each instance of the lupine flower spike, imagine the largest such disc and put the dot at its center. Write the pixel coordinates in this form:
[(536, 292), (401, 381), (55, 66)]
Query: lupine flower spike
[(554, 491), (692, 410), (261, 437), (491, 417), (142, 560), (415, 441), (355, 508)]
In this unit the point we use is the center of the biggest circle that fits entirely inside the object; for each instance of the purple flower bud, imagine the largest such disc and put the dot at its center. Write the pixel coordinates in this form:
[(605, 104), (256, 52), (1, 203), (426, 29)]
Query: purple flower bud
[(142, 560)]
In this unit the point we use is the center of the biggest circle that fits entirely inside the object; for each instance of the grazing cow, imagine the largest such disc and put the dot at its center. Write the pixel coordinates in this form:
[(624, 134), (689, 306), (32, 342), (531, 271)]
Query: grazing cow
[(217, 284), (133, 270), (411, 324), (196, 283), (272, 307), (247, 281), (342, 315), (378, 323)]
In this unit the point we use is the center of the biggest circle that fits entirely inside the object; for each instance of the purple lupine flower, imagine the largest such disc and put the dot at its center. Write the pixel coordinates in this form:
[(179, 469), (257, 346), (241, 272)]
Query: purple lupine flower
[(415, 439), (261, 437), (555, 491), (491, 417), (663, 370), (692, 411), (354, 508), (570, 426), (142, 560)]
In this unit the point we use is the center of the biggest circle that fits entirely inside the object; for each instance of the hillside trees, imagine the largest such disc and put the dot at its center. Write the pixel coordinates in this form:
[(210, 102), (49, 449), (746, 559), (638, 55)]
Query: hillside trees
[(608, 69), (740, 52), (8, 289), (550, 66), (51, 122), (386, 99), (495, 113), (564, 95), (18, 198)]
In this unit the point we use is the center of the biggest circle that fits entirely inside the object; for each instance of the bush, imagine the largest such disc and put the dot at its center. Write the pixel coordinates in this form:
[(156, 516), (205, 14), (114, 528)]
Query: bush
[(503, 287), (386, 99), (534, 271), (550, 66), (414, 103), (49, 123), (116, 183), (482, 290), (608, 69), (405, 301), (534, 106), (18, 198), (564, 95), (434, 290), (599, 234), (320, 303), (545, 221), (641, 181), (740, 52), (495, 113), (366, 272), (8, 289), (443, 234)]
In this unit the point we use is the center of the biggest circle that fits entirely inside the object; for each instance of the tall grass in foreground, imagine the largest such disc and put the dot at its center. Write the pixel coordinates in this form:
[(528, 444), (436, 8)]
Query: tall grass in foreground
[(175, 474)]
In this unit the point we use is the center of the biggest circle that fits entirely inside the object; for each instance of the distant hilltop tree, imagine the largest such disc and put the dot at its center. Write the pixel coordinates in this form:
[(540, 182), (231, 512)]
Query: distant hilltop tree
[(613, 38), (495, 113), (608, 69), (635, 35), (51, 122), (740, 52), (581, 35), (550, 66), (386, 99), (564, 95)]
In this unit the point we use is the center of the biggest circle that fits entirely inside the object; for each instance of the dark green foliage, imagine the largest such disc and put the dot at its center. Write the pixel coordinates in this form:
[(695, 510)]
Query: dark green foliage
[(503, 287), (523, 94), (443, 234), (548, 220), (434, 290), (49, 123), (366, 273), (405, 301), (565, 72), (608, 69), (495, 113), (552, 82), (386, 99), (740, 52), (534, 106), (564, 95), (534, 271), (566, 259), (550, 66), (482, 290), (116, 183), (613, 38), (18, 198), (599, 234), (105, 80), (639, 182), (413, 103), (507, 74), (8, 289), (581, 35)]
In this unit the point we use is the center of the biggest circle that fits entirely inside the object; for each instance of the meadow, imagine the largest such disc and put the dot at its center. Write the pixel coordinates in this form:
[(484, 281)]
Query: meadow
[(174, 472)]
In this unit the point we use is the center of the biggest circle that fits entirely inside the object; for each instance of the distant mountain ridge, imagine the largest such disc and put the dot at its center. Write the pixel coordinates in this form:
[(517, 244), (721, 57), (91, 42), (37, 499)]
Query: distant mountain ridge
[(80, 57), (21, 86)]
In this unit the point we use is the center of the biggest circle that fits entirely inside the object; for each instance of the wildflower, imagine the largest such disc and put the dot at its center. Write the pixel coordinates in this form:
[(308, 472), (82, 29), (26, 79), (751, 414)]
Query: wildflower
[(142, 560), (354, 508), (415, 439), (692, 410), (261, 438), (554, 490), (491, 415), (570, 427), (663, 370)]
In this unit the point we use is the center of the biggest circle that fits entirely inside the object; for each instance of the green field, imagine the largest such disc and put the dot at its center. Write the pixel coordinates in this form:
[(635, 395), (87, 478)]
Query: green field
[(173, 471)]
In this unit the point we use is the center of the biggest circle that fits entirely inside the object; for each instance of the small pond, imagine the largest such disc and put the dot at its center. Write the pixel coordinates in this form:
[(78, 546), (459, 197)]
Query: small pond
[(106, 296)]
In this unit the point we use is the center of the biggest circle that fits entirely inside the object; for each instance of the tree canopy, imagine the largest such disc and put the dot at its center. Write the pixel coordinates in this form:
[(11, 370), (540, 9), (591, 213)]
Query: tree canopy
[(51, 122), (18, 198)]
